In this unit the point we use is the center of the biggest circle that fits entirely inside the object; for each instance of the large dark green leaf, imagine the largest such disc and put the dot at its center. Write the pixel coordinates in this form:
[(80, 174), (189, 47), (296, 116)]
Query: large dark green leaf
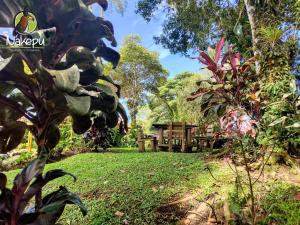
[(11, 135), (112, 120), (81, 124), (108, 54), (28, 218), (88, 77), (12, 72), (106, 103), (27, 174), (8, 114), (40, 182), (103, 86), (53, 137), (3, 181), (205, 101), (90, 28), (6, 89), (23, 179), (220, 109), (12, 100), (65, 80), (54, 204), (62, 196), (78, 105), (82, 57)]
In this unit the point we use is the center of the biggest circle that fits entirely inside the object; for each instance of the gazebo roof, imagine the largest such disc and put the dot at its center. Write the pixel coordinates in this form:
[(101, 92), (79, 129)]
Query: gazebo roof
[(165, 126)]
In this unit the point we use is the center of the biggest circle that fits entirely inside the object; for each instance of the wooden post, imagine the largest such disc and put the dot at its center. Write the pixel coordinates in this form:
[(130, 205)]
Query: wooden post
[(154, 144), (161, 136), (184, 138), (141, 142), (171, 137), (189, 137), (141, 145), (29, 142)]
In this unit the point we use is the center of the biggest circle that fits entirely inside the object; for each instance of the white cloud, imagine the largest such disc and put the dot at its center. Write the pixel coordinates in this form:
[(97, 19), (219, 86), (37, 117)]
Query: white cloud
[(136, 22), (163, 53)]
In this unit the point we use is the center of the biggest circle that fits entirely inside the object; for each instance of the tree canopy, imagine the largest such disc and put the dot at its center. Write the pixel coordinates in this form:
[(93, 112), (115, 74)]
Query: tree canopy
[(197, 24), (139, 73), (170, 104)]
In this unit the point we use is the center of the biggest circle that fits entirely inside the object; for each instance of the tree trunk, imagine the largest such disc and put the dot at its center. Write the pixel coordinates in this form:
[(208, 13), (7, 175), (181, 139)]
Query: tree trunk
[(250, 8), (133, 113)]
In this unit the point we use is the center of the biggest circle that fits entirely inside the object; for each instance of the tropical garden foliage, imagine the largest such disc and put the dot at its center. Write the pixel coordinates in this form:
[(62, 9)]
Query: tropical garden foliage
[(44, 88), (139, 73), (68, 95)]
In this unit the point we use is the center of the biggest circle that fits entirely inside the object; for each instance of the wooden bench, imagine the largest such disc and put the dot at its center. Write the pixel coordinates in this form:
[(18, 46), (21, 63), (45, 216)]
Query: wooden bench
[(142, 138), (209, 141), (176, 135)]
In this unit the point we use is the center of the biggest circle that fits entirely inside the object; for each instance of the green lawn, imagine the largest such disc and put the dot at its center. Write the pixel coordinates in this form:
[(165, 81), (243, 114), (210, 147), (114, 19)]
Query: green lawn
[(130, 182), (137, 184)]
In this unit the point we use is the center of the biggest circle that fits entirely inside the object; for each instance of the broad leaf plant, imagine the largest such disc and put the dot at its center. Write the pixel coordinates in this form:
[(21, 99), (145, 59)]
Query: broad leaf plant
[(39, 89)]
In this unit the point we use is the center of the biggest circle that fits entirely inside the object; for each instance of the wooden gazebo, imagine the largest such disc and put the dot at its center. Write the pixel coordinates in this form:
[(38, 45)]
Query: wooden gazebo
[(176, 135)]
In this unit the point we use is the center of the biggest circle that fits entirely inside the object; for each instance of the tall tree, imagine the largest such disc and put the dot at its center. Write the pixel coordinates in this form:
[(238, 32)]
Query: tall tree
[(170, 104), (197, 24), (139, 73)]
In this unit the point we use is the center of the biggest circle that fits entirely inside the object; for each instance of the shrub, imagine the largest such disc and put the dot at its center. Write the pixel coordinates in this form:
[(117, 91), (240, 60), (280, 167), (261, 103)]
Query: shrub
[(46, 87), (130, 139), (280, 206), (24, 157)]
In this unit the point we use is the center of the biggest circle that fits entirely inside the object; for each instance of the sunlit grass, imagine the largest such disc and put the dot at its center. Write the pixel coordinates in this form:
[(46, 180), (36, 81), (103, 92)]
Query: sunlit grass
[(129, 182)]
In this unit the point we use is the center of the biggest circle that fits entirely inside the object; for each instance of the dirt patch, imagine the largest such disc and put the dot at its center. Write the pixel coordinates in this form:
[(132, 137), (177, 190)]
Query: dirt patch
[(170, 214), (95, 195), (187, 210)]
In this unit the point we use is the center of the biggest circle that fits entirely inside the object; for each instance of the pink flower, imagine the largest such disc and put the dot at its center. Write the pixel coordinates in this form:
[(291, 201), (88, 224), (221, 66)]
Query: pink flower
[(236, 122)]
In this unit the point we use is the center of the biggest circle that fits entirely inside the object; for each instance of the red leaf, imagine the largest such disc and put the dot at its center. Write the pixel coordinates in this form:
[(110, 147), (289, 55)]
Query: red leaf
[(203, 61), (219, 47), (297, 196), (207, 58), (238, 57)]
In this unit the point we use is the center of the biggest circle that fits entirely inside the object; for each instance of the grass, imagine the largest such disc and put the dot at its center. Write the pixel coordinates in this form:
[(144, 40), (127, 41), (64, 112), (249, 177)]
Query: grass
[(280, 206), (138, 184), (129, 182)]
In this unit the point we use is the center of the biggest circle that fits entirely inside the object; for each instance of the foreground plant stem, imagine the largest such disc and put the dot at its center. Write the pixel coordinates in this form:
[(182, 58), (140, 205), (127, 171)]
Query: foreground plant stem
[(44, 155), (247, 168)]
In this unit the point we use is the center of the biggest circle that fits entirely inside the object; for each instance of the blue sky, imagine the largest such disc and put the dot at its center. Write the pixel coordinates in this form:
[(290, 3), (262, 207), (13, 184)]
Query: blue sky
[(131, 23)]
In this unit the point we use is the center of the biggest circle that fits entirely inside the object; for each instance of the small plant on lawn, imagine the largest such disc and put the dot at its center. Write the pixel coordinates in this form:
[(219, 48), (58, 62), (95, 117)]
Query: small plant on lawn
[(232, 93), (130, 139), (60, 80), (99, 138), (101, 134)]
